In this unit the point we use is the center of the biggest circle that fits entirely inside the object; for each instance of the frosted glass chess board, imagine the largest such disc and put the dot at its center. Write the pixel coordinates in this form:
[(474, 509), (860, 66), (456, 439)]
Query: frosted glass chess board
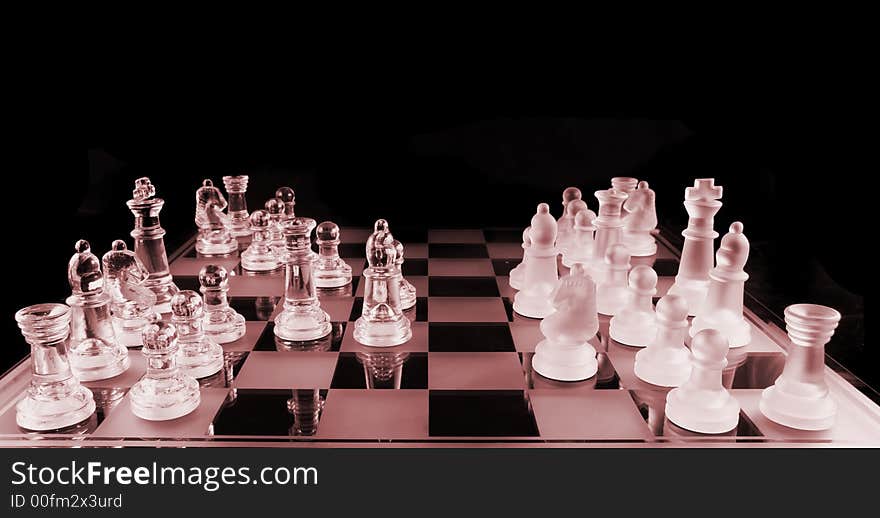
[(464, 378)]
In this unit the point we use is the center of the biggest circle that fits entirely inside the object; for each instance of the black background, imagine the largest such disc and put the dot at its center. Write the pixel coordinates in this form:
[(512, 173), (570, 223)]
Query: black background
[(433, 156)]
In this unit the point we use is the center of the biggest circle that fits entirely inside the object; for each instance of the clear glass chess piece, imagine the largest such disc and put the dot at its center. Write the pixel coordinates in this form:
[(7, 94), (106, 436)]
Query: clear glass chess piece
[(259, 257), (306, 406), (215, 236), (163, 393), (94, 352), (222, 323), (149, 242), (131, 302), (407, 290), (383, 370), (236, 187), (198, 356), (330, 270), (275, 208), (286, 196), (54, 399), (302, 318), (382, 322)]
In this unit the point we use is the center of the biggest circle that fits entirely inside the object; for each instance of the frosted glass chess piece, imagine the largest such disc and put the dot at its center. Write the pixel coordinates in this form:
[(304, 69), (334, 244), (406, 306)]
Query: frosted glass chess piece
[(541, 271), (236, 188), (612, 291), (580, 250), (640, 221), (565, 354), (382, 322), (692, 281), (259, 257), (624, 183), (609, 229), (287, 197), (302, 318), (131, 302), (215, 236), (222, 323), (635, 323), (666, 361), (54, 399), (407, 290), (723, 308), (574, 208), (516, 274), (164, 392), (275, 209), (93, 350), (565, 223), (198, 355), (149, 242), (702, 404), (330, 270), (800, 398)]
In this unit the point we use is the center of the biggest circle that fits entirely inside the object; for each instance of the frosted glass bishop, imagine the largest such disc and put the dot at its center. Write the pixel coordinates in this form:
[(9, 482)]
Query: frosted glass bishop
[(215, 227), (131, 302)]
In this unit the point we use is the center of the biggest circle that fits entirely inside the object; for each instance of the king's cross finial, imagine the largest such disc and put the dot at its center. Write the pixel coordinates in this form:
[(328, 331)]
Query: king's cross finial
[(703, 189)]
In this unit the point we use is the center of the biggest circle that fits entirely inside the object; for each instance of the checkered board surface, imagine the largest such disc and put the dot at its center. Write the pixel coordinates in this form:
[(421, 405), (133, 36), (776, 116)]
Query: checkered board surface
[(465, 376)]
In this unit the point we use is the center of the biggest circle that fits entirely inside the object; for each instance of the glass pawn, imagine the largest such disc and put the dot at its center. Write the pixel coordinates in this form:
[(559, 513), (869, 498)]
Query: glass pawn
[(259, 256), (286, 196), (164, 392), (330, 270), (198, 356), (222, 323)]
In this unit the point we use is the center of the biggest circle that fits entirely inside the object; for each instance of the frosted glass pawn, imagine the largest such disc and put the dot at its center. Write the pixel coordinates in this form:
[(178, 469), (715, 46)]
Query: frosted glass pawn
[(609, 229), (723, 308), (236, 188), (635, 323), (259, 256), (666, 361), (215, 227), (517, 273), (566, 354), (382, 322), (702, 404), (222, 323), (275, 208), (286, 196), (164, 392), (408, 293), (565, 223), (800, 397), (94, 352), (640, 221), (330, 270), (692, 281), (580, 250), (612, 291), (541, 272), (302, 318), (198, 355), (131, 301)]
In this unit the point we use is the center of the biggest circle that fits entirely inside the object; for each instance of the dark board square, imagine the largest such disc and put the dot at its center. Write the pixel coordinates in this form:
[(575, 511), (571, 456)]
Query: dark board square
[(503, 235), (262, 412), (255, 308), (666, 267), (469, 337), (480, 413), (330, 343), (508, 308), (187, 283), (357, 308), (381, 370), (463, 287), (457, 251), (418, 267), (502, 267)]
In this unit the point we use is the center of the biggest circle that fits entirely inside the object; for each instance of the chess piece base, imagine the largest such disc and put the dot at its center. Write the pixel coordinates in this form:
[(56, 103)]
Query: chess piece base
[(331, 274), (165, 399), (694, 292), (703, 416), (671, 371), (798, 412), (565, 362), (297, 325), (52, 413), (533, 305), (225, 332), (633, 329), (129, 331), (738, 331), (259, 263), (217, 247), (200, 360), (639, 244), (165, 289), (382, 334), (94, 360)]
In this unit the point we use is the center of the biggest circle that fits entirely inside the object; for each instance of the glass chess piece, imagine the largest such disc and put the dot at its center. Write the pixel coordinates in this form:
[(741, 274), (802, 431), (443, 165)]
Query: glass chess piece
[(666, 361), (236, 187), (624, 183), (612, 290), (640, 221), (275, 208), (516, 274), (131, 302), (565, 223), (330, 270), (197, 356), (222, 323), (163, 393), (286, 196), (215, 236), (383, 370), (408, 293), (302, 318), (93, 351), (580, 247), (54, 399), (635, 323), (573, 208), (609, 229), (149, 242), (382, 323), (541, 272), (259, 257)]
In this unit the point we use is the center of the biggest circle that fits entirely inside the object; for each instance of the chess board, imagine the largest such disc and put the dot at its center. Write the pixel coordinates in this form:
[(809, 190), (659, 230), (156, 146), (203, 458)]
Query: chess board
[(465, 377)]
